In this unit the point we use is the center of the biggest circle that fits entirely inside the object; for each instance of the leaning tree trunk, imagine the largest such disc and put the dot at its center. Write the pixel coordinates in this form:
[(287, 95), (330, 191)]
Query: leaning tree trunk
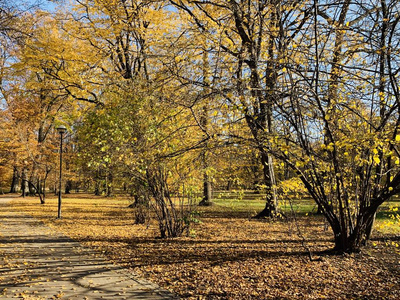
[(31, 186), (369, 227), (31, 189)]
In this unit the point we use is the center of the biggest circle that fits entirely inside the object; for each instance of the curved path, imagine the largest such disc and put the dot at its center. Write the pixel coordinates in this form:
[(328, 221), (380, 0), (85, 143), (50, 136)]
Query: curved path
[(38, 263)]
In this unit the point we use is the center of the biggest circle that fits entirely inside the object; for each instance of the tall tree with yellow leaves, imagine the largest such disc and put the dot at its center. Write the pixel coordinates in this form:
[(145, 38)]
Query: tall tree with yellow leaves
[(248, 44), (342, 116)]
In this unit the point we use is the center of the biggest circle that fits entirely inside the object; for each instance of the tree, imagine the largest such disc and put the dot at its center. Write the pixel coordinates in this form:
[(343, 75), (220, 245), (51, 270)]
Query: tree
[(342, 118), (138, 138), (43, 85), (248, 43)]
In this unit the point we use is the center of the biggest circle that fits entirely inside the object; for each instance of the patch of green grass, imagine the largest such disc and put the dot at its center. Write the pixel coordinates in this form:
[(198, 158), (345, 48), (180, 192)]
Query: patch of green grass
[(298, 206), (388, 217), (250, 201)]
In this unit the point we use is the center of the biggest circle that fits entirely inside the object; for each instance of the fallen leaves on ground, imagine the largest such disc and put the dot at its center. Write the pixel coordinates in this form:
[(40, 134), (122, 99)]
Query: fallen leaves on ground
[(230, 256)]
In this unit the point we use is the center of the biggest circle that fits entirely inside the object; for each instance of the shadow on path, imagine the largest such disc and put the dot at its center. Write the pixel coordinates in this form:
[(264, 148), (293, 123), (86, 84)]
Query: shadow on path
[(37, 262)]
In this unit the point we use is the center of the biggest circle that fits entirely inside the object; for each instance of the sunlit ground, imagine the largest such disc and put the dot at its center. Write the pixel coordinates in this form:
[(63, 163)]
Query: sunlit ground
[(228, 255)]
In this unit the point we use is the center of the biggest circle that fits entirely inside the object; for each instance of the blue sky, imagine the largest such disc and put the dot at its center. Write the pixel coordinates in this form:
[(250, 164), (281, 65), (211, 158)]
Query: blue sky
[(43, 4)]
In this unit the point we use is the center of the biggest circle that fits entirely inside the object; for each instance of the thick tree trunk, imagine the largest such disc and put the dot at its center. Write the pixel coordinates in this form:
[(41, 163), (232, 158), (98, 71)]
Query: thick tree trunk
[(68, 187), (109, 185), (267, 167), (15, 181), (42, 199), (39, 186), (44, 190), (345, 245), (229, 185), (97, 187), (369, 227), (24, 183), (32, 180), (350, 243), (40, 190), (269, 179), (268, 211), (207, 192)]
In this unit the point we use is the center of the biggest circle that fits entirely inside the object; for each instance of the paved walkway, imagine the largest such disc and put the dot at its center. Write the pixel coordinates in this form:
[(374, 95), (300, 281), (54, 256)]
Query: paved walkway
[(38, 263)]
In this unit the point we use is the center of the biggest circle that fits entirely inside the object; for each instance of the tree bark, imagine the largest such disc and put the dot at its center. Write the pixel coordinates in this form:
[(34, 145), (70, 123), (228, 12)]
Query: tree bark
[(207, 192), (97, 187), (369, 227), (269, 179), (109, 184), (24, 183), (15, 181), (207, 188), (31, 188), (351, 242), (68, 187)]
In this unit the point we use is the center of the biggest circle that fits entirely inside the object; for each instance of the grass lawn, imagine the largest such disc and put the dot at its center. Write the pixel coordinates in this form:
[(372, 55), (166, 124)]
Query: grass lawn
[(230, 255)]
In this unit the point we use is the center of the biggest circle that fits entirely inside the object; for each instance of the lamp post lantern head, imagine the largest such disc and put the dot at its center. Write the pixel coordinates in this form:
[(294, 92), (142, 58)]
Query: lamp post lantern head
[(61, 129)]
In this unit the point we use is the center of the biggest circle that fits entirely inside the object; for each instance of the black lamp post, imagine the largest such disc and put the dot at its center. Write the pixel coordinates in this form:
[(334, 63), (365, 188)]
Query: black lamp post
[(61, 130)]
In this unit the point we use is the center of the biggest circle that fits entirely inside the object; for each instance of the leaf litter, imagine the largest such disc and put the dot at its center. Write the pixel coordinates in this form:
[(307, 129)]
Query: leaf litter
[(230, 256)]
